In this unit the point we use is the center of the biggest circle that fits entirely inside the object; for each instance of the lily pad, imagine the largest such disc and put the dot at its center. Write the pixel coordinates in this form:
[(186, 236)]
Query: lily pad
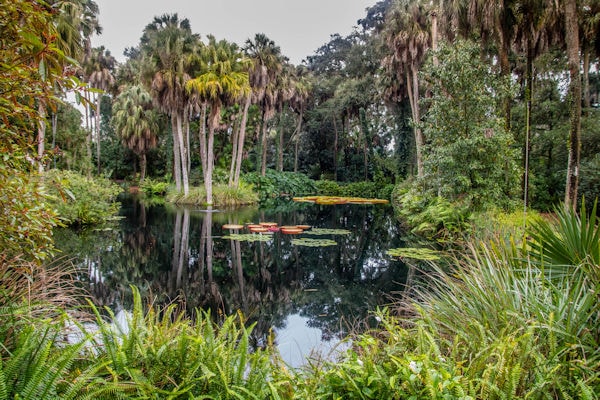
[(327, 231), (308, 242), (248, 237), (415, 253)]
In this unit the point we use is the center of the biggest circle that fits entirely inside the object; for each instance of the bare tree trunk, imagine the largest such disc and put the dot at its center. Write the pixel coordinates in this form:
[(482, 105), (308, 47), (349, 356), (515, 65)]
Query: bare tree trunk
[(210, 155), (41, 138), (280, 144), (241, 140), (412, 82), (263, 145), (335, 149), (54, 127), (142, 167), (202, 138), (183, 155), (176, 153), (297, 139), (97, 128), (572, 39), (586, 78)]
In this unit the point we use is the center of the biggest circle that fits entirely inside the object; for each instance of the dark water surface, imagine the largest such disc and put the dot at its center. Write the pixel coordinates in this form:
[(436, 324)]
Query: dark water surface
[(310, 297)]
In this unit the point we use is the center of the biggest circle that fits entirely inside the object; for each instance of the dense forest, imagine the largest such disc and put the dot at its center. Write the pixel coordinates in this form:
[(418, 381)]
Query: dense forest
[(450, 109)]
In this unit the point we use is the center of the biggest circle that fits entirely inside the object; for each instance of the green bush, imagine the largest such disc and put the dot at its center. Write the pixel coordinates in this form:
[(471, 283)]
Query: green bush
[(152, 187), (82, 201), (361, 189), (275, 184), (434, 218), (328, 188)]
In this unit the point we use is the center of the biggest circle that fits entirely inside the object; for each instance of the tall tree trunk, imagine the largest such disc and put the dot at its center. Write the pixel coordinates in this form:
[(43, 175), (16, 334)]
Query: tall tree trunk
[(176, 153), (186, 127), (41, 137), (241, 140), (234, 149), (335, 148), (183, 154), (142, 167), (528, 101), (297, 139), (97, 128), (412, 82), (54, 127), (202, 138), (586, 78), (88, 131), (572, 39), (263, 145), (210, 155), (280, 144)]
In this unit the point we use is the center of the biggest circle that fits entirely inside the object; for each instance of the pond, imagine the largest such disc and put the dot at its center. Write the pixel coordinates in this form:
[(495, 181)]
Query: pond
[(307, 293)]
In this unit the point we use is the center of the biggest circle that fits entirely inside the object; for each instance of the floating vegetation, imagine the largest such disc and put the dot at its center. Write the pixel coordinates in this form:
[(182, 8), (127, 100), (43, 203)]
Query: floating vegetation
[(291, 230), (327, 231), (248, 237), (333, 200), (422, 254), (308, 242), (232, 226)]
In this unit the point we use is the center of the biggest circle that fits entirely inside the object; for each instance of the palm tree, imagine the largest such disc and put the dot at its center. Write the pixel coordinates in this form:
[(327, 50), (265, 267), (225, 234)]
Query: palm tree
[(75, 21), (298, 103), (407, 35), (99, 66), (224, 82), (572, 39), (268, 64), (166, 43), (136, 122)]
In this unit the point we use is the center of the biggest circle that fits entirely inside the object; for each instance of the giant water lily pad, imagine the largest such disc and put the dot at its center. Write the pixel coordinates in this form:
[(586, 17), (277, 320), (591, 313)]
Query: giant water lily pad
[(333, 200), (327, 231), (248, 237), (415, 253), (308, 242)]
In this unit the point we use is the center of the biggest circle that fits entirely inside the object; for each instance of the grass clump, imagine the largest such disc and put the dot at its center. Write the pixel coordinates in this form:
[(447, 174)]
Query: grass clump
[(223, 195)]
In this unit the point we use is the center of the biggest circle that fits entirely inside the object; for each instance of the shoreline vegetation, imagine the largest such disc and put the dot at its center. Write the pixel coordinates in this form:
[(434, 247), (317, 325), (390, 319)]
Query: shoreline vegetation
[(502, 318)]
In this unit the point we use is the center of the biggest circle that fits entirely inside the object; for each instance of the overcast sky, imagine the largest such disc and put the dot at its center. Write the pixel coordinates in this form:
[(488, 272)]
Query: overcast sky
[(299, 27)]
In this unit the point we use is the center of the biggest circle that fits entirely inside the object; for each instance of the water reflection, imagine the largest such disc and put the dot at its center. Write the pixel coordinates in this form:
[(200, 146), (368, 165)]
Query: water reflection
[(180, 253)]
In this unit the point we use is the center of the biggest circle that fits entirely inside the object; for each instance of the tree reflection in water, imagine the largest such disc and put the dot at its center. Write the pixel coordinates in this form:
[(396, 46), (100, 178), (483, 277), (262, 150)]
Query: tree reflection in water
[(178, 254)]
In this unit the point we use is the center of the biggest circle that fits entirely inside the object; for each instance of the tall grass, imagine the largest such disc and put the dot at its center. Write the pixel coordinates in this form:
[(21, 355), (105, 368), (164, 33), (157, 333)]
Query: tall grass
[(496, 325)]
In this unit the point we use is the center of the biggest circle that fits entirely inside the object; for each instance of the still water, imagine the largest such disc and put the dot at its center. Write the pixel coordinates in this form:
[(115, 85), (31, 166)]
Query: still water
[(309, 297)]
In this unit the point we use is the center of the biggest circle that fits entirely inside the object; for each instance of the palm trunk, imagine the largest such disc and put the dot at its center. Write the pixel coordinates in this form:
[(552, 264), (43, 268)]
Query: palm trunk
[(412, 82), (280, 144), (209, 165), (176, 152), (41, 136), (183, 155), (142, 167), (335, 148), (263, 147), (97, 128), (298, 127), (241, 141), (202, 138), (572, 39)]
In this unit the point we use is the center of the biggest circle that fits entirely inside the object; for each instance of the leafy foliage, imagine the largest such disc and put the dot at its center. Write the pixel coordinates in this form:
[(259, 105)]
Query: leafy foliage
[(80, 200), (469, 154), (275, 184)]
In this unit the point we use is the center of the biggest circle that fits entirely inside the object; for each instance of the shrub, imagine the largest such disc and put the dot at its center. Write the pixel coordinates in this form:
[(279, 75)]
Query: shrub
[(433, 217), (275, 184), (328, 188), (152, 187), (82, 201)]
